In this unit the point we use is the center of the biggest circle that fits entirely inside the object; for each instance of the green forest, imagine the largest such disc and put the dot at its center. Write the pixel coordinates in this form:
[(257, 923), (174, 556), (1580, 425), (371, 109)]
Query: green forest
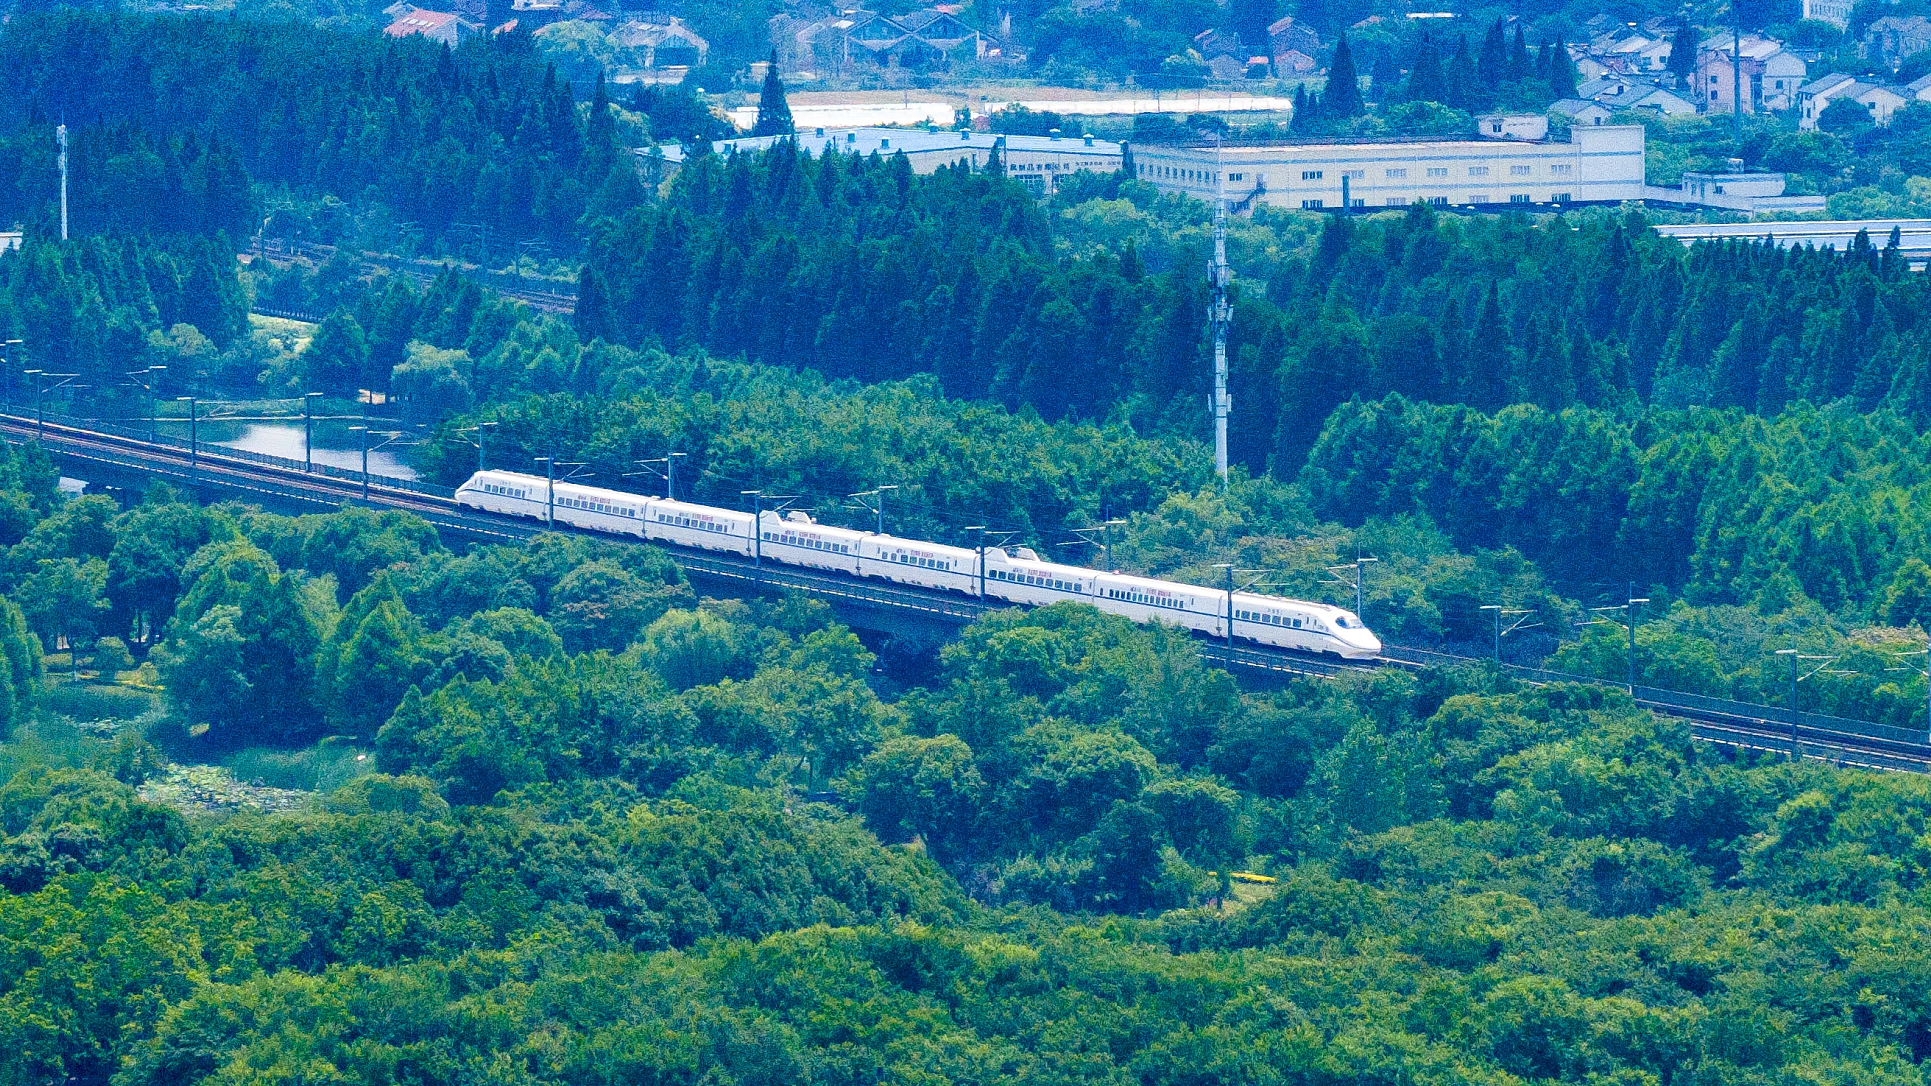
[(328, 798)]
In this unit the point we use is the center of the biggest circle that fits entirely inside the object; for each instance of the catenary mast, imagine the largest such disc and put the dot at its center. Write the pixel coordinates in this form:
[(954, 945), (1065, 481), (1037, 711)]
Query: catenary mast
[(1220, 314)]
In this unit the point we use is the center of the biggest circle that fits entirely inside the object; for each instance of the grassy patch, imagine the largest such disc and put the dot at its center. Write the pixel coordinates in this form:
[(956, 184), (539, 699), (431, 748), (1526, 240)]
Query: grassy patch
[(328, 765)]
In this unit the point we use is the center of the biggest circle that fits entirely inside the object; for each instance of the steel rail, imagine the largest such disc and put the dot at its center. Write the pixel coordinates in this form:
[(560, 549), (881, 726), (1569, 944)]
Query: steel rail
[(1768, 730)]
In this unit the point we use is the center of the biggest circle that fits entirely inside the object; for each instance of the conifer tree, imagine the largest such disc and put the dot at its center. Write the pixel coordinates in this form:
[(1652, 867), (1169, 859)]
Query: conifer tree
[(1464, 87), (1562, 70), (774, 113), (1683, 52), (1343, 97), (1494, 58), (1385, 82), (1426, 83), (1517, 68)]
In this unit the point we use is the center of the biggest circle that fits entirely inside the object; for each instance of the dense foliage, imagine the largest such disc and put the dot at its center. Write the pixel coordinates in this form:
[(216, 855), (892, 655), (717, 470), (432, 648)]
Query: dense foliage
[(486, 136), (583, 865)]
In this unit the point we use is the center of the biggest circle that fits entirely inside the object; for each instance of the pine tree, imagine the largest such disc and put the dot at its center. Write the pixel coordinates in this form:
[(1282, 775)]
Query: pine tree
[(1517, 68), (1682, 63), (1487, 366), (1386, 80), (1494, 58), (1464, 86), (1426, 83), (1343, 98), (1299, 117), (1562, 70), (774, 113)]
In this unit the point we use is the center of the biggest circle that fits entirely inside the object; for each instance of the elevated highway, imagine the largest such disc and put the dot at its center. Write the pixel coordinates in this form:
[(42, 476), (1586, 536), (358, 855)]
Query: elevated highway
[(912, 615)]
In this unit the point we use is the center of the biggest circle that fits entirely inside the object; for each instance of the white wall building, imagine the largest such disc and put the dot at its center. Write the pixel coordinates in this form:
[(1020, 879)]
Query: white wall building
[(1835, 12), (1038, 162), (1599, 164)]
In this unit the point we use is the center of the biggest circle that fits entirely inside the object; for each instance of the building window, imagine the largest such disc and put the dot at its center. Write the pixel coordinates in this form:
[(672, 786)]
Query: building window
[(1397, 174), (1438, 201), (1235, 176), (1518, 171), (1438, 171), (1560, 169), (1478, 171), (1358, 175), (1357, 202), (1310, 205), (1559, 198), (1519, 198), (1478, 198), (1310, 175), (1396, 201)]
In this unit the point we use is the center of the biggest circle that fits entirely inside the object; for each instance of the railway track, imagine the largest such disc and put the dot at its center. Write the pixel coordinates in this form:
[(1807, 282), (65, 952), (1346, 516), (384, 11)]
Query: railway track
[(1754, 728)]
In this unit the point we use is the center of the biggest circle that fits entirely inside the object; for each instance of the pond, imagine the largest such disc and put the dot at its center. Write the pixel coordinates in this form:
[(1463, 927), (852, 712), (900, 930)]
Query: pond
[(335, 445)]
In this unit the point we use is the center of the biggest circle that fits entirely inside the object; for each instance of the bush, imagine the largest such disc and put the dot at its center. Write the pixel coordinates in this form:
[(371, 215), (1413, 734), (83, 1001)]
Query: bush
[(111, 657)]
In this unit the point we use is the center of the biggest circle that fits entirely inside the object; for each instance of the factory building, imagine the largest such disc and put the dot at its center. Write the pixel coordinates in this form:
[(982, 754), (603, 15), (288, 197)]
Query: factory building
[(1038, 162), (1596, 164)]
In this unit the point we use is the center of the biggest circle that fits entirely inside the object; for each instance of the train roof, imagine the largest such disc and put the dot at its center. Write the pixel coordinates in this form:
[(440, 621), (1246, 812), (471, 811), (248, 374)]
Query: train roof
[(919, 544), (1327, 610), (1154, 582)]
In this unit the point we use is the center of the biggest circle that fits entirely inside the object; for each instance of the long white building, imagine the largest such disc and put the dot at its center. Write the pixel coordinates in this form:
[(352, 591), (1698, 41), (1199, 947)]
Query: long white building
[(1597, 164), (1038, 162)]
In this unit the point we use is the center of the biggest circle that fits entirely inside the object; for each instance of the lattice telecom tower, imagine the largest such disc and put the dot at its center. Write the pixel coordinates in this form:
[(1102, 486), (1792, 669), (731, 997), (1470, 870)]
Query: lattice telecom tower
[(1220, 314)]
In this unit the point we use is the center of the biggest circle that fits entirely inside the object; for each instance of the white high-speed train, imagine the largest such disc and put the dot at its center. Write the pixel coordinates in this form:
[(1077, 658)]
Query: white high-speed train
[(1015, 574)]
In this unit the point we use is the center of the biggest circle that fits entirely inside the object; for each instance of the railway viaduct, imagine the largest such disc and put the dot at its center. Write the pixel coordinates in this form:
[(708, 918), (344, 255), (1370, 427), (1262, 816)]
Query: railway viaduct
[(115, 460)]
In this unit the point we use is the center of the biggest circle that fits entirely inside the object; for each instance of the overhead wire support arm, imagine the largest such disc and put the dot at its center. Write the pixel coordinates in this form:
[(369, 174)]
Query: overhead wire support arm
[(668, 472)]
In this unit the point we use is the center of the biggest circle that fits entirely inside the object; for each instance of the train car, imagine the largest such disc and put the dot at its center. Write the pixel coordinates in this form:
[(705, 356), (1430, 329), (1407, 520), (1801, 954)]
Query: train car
[(1144, 599), (795, 539), (505, 492), (913, 562), (1019, 576), (1299, 624), (601, 510), (702, 526), (1016, 575)]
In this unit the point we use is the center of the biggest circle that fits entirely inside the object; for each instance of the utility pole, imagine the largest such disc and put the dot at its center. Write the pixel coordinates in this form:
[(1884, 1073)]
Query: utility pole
[(1634, 601), (194, 432), (479, 430), (877, 494), (1792, 653), (1360, 579), (60, 133), (1228, 568), (1220, 314), (668, 473), (550, 466), (979, 532), (6, 364), (389, 437), (308, 431), (146, 381), (1501, 613)]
